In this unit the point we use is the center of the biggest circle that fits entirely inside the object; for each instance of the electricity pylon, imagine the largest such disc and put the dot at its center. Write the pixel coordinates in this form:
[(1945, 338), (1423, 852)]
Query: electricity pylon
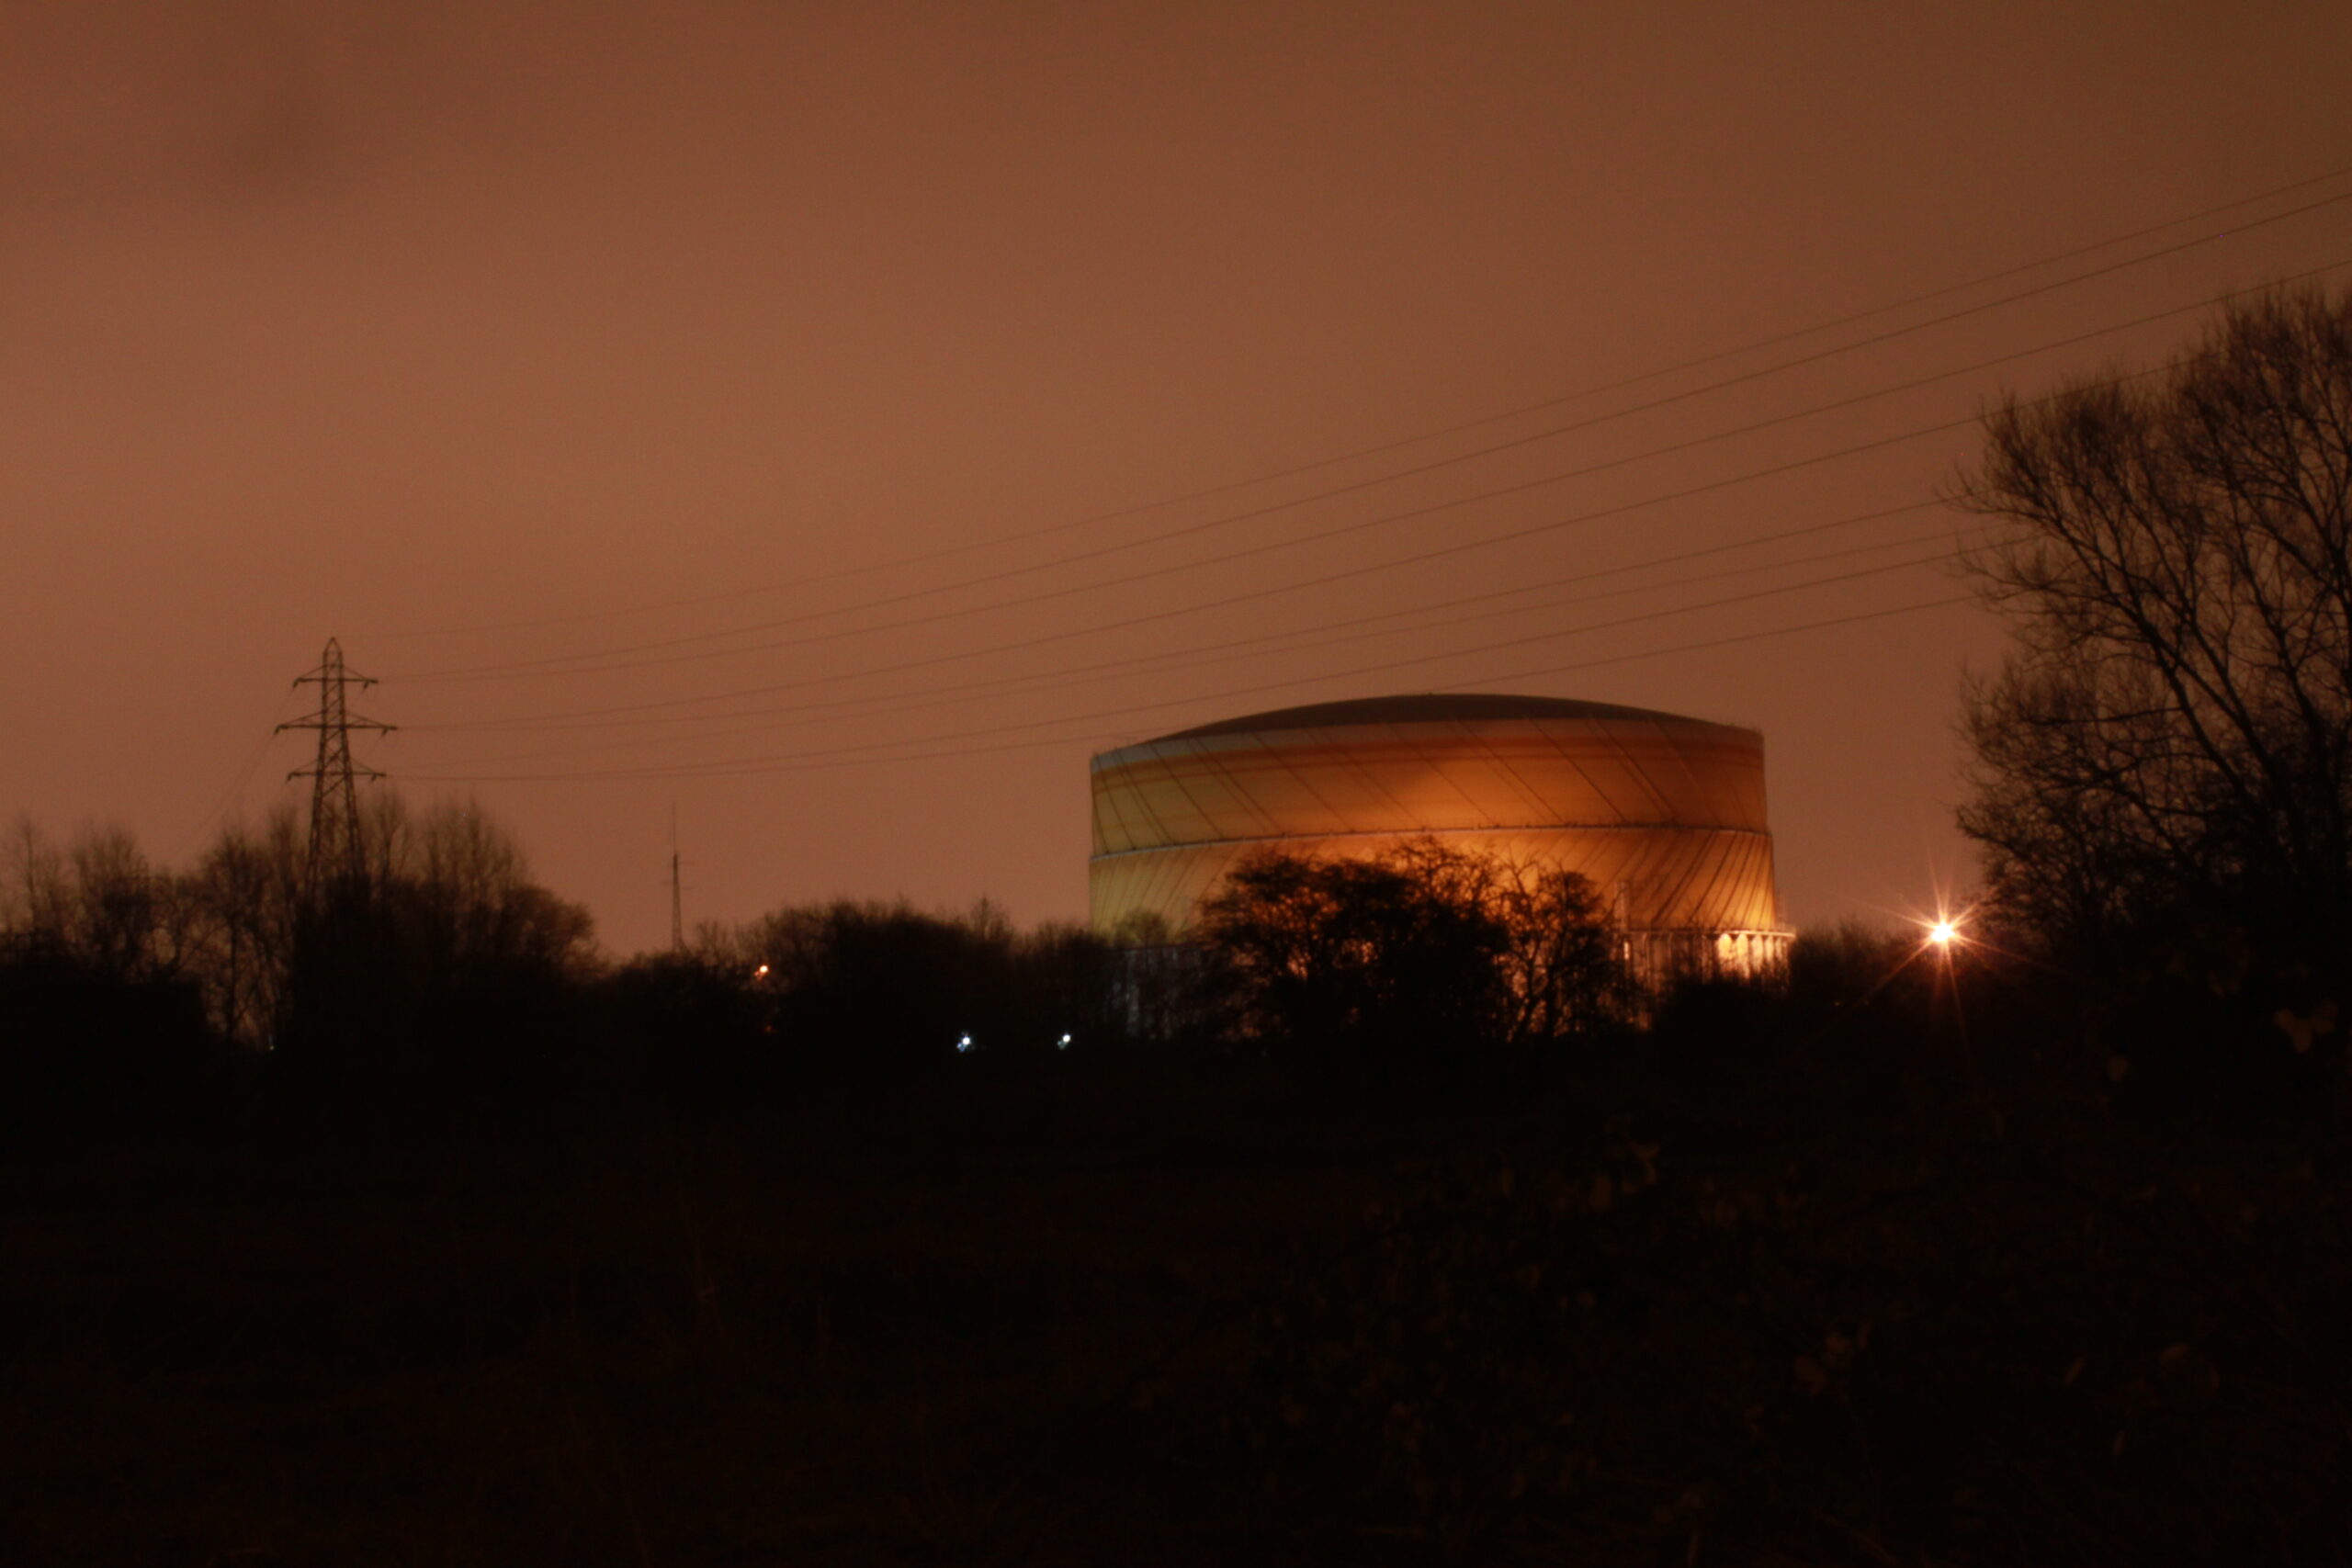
[(338, 848)]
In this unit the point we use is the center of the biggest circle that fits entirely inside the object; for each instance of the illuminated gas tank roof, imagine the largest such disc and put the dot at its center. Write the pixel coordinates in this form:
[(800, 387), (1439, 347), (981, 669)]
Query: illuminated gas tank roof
[(1425, 708)]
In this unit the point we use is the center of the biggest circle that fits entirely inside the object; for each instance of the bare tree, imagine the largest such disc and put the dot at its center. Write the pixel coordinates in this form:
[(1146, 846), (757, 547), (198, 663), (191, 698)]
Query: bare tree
[(35, 890), (96, 903), (1560, 965), (2168, 746), (249, 893), (449, 907)]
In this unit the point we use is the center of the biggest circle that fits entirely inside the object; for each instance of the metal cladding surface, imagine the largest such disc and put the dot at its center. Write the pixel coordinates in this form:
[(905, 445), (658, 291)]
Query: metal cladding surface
[(1663, 814)]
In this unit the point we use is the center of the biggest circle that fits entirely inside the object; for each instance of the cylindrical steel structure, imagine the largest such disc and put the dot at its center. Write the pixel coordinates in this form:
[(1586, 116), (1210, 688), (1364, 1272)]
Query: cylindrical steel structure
[(1665, 815)]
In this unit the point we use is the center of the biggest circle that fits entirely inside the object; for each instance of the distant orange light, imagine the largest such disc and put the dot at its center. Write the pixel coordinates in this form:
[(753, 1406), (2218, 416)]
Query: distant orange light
[(1944, 933), (760, 972)]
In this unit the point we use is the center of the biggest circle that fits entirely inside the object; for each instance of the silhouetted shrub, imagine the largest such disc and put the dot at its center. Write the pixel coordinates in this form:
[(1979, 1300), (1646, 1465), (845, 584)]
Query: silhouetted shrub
[(102, 1026), (83, 1050), (686, 1030), (1847, 963), (1453, 1364), (877, 993), (1405, 965)]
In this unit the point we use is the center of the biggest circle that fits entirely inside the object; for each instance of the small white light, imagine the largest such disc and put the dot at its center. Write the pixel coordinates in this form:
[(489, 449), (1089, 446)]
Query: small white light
[(1064, 1044), (760, 972), (964, 1043)]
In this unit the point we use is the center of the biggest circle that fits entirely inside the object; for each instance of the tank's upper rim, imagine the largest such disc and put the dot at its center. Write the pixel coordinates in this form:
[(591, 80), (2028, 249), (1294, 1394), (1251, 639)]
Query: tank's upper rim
[(1427, 707)]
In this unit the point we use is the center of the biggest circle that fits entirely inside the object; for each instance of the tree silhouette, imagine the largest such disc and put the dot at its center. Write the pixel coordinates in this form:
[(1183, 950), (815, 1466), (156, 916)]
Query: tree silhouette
[(1408, 956), (2164, 763)]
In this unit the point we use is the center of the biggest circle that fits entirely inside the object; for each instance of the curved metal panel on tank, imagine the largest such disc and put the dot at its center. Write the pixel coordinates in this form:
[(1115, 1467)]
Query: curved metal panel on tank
[(1664, 814)]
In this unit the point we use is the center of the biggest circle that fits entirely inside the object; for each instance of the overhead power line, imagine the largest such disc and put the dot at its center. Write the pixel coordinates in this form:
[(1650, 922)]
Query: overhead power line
[(1382, 448), (1165, 661), (1419, 557), (1943, 603), (599, 717), (771, 720), (729, 765), (244, 774), (1129, 622), (569, 665), (1492, 678), (919, 700), (1098, 739)]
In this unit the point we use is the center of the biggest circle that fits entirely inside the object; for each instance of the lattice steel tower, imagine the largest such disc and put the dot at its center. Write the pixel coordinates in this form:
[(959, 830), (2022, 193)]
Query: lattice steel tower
[(338, 848)]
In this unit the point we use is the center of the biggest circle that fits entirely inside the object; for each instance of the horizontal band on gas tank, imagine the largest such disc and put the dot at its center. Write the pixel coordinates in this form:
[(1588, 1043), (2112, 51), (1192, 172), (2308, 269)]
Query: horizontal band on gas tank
[(1544, 827)]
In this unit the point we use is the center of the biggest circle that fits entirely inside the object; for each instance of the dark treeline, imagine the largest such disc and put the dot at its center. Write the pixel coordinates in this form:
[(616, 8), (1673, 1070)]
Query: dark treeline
[(133, 995), (448, 985), (1391, 1224)]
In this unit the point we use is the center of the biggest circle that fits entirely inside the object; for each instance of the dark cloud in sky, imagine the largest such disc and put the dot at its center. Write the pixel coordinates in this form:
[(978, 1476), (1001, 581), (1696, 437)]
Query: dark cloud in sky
[(380, 321)]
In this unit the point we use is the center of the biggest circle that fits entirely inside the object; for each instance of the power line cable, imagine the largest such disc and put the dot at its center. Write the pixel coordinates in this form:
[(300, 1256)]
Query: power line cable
[(1438, 553), (1716, 642), (1461, 546), (1458, 548), (245, 775), (724, 767), (824, 764), (543, 668), (1169, 663), (597, 717), (1212, 491)]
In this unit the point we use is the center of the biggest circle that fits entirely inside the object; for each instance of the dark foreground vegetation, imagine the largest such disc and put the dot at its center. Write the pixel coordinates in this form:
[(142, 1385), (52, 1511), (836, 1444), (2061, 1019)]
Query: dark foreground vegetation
[(537, 1260)]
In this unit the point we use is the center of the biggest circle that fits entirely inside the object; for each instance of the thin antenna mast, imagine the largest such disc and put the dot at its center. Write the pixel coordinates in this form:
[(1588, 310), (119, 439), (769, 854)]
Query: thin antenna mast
[(677, 895), (338, 849)]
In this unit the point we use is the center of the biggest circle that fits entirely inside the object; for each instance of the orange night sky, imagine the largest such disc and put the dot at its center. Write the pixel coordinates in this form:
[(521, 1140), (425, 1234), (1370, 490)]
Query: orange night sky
[(836, 421)]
